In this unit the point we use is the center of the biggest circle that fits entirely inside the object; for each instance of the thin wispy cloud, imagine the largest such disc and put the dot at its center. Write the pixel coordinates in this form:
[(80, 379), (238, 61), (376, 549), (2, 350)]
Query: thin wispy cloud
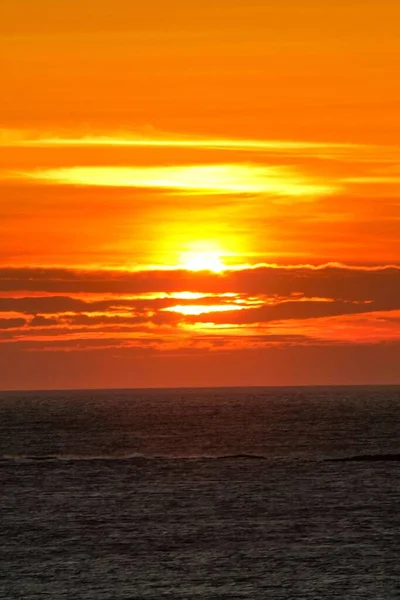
[(213, 179), (20, 138)]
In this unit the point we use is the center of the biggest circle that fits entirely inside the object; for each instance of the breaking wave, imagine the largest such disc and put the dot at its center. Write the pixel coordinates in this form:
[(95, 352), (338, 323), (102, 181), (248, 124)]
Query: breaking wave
[(135, 457)]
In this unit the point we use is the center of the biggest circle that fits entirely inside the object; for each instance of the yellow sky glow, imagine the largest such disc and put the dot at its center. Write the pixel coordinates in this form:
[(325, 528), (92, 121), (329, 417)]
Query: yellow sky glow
[(215, 179), (185, 179), (203, 261), (201, 309)]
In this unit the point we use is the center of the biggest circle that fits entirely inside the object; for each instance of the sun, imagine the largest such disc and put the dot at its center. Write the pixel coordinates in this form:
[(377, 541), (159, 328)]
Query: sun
[(203, 261)]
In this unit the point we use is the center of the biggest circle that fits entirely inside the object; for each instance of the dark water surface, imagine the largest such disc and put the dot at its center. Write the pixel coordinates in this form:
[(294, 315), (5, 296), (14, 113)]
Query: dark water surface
[(223, 493)]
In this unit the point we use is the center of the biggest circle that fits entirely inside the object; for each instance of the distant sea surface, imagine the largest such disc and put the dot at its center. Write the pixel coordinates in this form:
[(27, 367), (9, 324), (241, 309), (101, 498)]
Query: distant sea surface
[(281, 493)]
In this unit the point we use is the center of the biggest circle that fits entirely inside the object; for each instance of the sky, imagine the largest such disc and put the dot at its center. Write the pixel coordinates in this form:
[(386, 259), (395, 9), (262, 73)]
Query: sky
[(199, 194)]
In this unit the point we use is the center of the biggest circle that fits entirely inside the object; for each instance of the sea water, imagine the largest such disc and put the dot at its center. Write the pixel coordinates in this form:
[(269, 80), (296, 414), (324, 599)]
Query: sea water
[(256, 493)]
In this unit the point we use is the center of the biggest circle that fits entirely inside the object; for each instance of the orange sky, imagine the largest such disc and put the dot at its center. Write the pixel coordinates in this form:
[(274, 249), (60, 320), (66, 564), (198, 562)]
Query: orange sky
[(199, 193)]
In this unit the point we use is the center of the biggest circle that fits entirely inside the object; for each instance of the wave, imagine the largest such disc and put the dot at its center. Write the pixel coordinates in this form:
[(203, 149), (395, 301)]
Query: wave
[(367, 458), (135, 457), (138, 458)]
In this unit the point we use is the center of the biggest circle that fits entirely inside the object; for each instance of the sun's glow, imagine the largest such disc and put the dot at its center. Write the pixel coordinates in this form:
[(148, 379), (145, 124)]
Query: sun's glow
[(186, 295), (201, 309), (202, 261)]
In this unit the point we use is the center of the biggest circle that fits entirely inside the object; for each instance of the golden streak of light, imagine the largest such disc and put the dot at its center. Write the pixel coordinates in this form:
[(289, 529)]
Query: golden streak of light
[(213, 179), (379, 179), (201, 309), (186, 295), (29, 139)]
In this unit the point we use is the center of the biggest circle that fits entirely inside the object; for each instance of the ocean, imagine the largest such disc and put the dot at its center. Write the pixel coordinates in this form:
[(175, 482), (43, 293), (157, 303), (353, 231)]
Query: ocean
[(275, 493)]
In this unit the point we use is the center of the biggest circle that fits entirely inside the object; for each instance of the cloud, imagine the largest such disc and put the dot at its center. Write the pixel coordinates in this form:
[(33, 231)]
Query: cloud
[(378, 283), (309, 309), (41, 321), (49, 304), (105, 320), (213, 179), (31, 139), (12, 323), (179, 308)]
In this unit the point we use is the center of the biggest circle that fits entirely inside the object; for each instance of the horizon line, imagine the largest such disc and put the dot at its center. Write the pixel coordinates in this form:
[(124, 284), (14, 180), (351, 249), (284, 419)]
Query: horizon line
[(202, 387)]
